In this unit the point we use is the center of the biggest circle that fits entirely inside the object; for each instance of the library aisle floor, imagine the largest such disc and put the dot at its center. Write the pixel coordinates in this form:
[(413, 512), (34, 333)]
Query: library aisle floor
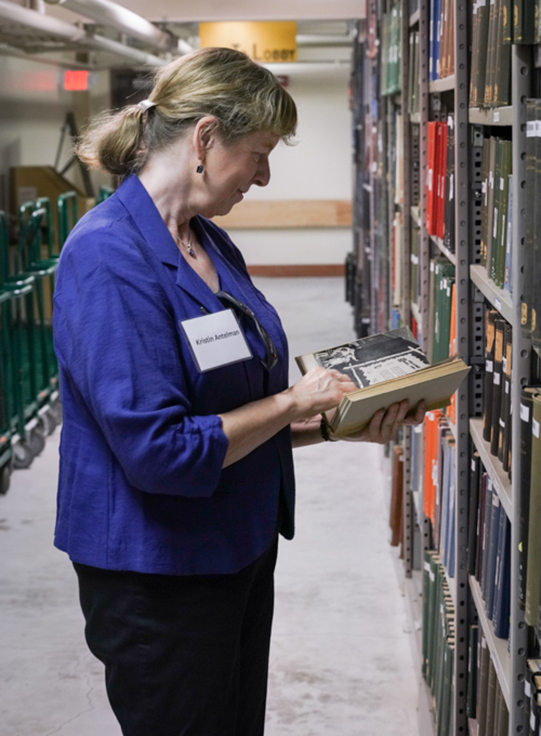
[(341, 660)]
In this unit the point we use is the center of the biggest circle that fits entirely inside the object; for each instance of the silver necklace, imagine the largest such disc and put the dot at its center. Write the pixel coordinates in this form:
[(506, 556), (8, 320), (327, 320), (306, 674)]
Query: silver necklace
[(188, 245)]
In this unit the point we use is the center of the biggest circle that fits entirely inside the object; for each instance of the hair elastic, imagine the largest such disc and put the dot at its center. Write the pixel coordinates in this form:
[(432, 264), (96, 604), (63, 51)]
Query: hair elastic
[(145, 105)]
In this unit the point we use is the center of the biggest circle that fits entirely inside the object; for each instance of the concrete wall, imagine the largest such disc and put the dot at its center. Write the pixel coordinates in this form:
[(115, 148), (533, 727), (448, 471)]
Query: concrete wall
[(317, 167), (33, 105)]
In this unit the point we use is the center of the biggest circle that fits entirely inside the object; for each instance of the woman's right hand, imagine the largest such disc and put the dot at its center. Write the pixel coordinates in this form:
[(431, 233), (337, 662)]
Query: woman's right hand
[(320, 389)]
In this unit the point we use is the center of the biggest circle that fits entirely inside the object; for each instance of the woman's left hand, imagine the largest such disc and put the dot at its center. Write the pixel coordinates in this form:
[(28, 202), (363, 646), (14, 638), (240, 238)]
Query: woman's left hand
[(385, 424)]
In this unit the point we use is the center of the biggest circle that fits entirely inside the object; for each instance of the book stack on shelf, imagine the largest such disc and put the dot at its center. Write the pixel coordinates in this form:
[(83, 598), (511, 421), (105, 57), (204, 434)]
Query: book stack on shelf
[(438, 641), (455, 236), (531, 304), (497, 210), (486, 705), (492, 35), (390, 52), (489, 548), (441, 58)]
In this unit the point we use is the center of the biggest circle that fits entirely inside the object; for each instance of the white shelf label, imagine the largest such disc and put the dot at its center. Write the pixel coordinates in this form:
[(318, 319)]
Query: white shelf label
[(498, 304)]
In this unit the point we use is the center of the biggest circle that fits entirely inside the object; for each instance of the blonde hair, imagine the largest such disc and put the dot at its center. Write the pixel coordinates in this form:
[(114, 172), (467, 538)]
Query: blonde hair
[(242, 95)]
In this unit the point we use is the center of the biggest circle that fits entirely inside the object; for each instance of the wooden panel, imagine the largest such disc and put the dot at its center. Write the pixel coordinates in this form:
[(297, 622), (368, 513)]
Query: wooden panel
[(300, 270), (292, 213)]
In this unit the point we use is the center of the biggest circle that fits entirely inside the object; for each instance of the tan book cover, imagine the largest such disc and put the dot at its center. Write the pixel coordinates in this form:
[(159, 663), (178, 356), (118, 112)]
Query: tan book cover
[(388, 367)]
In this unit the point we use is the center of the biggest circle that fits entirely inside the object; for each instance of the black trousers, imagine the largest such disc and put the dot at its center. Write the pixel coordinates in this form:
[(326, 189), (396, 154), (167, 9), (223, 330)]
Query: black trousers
[(183, 656)]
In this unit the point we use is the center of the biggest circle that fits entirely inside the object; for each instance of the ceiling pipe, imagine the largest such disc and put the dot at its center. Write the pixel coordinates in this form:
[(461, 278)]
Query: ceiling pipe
[(78, 36), (40, 22), (116, 16), (7, 50), (100, 43)]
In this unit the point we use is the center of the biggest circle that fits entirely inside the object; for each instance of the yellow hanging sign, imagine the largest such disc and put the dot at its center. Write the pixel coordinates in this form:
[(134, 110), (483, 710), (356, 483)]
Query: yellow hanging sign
[(266, 42)]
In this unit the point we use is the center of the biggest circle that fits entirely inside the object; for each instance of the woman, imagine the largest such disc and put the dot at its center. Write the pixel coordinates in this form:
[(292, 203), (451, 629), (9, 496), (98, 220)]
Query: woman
[(176, 468)]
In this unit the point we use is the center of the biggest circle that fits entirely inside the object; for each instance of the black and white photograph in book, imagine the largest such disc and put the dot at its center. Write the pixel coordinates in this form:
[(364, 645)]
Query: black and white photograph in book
[(377, 358)]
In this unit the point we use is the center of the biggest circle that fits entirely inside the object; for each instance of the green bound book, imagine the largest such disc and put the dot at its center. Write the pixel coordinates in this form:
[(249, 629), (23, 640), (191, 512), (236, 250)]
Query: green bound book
[(474, 71), (493, 148), (482, 688), (428, 582), (507, 10), (503, 718), (536, 255), (485, 170), (491, 699), (533, 569), (473, 646), (524, 21), (501, 93), (531, 132), (491, 56), (503, 187), (496, 208)]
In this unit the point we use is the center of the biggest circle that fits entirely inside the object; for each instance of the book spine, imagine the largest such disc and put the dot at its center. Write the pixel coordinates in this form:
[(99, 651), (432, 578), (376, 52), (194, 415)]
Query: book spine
[(526, 414), (533, 569), (499, 328), (490, 318), (473, 515)]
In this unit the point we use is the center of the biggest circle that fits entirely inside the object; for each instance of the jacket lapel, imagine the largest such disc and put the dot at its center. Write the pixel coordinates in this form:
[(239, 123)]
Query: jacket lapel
[(148, 221)]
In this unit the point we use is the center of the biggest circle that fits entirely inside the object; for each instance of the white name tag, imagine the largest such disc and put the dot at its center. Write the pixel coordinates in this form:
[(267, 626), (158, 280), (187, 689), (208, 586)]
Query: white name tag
[(216, 340)]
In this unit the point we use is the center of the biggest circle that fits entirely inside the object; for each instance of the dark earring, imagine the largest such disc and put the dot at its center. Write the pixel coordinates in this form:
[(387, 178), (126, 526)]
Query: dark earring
[(200, 168)]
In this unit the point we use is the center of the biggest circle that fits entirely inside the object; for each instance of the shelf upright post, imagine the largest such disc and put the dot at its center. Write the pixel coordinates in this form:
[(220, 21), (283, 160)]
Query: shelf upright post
[(521, 83), (373, 256), (462, 249), (407, 163), (424, 249), (409, 525)]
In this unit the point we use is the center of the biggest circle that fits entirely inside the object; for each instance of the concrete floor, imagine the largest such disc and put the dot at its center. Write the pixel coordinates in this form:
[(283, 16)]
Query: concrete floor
[(341, 659)]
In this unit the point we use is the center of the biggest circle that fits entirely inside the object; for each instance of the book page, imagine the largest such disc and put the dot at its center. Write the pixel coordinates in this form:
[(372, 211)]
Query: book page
[(376, 358)]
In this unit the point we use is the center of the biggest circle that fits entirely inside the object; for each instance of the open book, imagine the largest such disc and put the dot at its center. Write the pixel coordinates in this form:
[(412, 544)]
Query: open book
[(387, 367)]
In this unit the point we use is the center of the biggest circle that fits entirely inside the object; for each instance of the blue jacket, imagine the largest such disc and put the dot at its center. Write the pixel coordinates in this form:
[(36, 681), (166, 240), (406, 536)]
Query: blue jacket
[(141, 484)]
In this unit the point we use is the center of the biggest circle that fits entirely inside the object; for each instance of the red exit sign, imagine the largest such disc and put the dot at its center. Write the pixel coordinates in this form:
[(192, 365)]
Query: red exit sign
[(75, 80)]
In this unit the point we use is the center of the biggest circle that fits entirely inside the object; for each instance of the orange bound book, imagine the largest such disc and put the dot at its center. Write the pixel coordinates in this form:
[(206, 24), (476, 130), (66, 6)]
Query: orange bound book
[(432, 420)]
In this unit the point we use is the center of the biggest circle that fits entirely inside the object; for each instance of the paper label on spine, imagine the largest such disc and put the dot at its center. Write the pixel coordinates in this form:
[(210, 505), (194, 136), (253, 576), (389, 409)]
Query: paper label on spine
[(497, 379), (535, 428), (525, 413)]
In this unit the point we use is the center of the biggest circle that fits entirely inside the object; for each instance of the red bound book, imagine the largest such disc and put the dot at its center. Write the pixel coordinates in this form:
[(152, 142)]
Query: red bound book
[(430, 176), (442, 168)]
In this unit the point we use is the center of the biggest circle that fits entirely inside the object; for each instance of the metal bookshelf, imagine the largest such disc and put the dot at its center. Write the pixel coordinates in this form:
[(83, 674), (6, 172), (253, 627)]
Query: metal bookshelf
[(472, 287), (499, 298), (499, 478), (501, 116), (447, 84), (498, 647), (438, 242)]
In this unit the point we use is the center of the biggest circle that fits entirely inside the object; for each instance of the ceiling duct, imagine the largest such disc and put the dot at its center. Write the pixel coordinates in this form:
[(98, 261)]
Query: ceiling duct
[(113, 15), (47, 30)]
